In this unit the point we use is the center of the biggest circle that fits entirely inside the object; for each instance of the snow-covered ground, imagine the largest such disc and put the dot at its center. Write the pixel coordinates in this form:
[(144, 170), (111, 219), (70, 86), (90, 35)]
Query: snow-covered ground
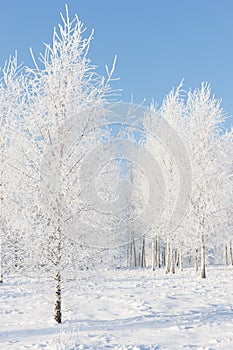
[(121, 309)]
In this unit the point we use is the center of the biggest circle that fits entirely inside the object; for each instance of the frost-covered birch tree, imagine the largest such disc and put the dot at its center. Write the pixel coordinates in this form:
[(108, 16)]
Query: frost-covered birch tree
[(60, 94), (197, 117), (204, 117), (171, 112)]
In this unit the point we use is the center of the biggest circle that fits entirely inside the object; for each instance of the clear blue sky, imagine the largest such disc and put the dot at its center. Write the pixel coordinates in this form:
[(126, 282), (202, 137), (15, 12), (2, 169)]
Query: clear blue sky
[(157, 42)]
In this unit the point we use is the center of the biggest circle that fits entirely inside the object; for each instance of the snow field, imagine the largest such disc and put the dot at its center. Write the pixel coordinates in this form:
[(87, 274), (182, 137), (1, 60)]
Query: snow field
[(122, 309)]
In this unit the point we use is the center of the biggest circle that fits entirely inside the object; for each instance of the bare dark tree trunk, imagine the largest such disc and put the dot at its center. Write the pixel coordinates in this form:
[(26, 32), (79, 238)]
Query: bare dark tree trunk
[(231, 255), (164, 257), (226, 254)]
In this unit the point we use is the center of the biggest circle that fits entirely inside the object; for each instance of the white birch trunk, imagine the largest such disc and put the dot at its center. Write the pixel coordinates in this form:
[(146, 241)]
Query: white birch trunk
[(135, 253), (57, 311), (158, 253), (196, 260), (168, 256), (172, 260), (177, 257), (58, 238), (144, 250), (180, 256), (153, 254), (131, 250), (143, 261), (203, 256)]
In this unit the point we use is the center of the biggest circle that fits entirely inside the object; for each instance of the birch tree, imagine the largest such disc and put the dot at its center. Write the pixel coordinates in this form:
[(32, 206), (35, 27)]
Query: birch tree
[(204, 119), (170, 112), (66, 86)]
